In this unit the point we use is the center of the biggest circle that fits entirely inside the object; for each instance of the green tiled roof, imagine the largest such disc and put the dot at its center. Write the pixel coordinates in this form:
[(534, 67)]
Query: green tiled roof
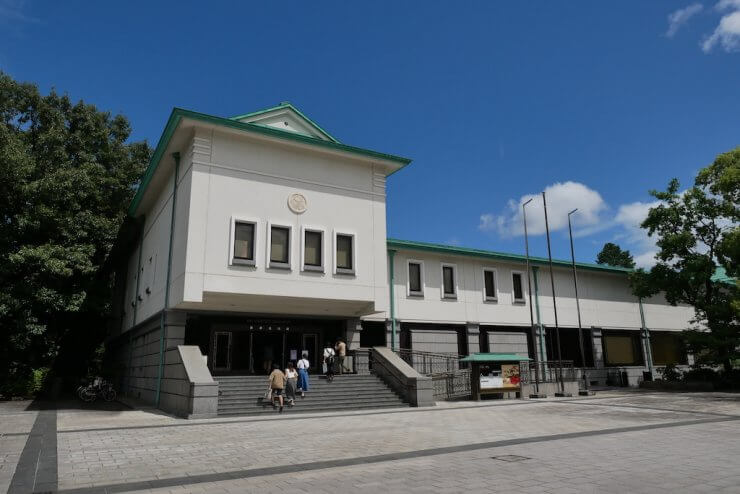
[(395, 244)]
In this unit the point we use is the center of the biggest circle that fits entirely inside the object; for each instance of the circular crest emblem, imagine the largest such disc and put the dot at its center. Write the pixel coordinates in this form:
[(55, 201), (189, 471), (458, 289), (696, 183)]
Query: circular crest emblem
[(297, 203)]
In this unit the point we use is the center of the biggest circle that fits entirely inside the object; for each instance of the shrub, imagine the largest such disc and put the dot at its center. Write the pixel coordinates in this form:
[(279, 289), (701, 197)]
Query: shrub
[(671, 373), (703, 374)]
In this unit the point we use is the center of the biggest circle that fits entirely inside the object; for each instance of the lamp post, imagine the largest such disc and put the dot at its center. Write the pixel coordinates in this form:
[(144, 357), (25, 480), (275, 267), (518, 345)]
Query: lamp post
[(536, 393), (554, 303), (585, 391)]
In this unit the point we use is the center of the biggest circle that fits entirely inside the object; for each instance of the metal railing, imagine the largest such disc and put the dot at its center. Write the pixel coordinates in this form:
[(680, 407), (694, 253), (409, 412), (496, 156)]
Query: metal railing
[(450, 376), (549, 371), (429, 363)]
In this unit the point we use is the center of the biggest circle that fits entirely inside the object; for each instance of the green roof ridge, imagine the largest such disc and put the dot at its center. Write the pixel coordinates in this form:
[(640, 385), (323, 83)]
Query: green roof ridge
[(503, 256), (282, 105)]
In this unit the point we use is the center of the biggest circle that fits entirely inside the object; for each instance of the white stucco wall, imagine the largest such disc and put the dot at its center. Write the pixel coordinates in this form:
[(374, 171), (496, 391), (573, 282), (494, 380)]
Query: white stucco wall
[(237, 176), (605, 298)]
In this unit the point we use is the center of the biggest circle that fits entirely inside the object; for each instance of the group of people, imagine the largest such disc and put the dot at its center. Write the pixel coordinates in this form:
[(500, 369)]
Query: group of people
[(283, 386)]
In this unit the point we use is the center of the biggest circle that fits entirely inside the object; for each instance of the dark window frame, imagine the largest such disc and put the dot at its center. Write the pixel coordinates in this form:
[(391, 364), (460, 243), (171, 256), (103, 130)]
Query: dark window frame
[(238, 260), (280, 264)]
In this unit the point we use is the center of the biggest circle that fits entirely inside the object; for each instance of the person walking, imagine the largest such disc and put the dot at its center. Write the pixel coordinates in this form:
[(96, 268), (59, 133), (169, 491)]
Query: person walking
[(329, 355), (277, 385), (341, 349), (291, 376), (303, 367)]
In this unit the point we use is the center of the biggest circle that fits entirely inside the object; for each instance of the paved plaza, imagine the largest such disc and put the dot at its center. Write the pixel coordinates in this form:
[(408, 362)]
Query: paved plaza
[(626, 441)]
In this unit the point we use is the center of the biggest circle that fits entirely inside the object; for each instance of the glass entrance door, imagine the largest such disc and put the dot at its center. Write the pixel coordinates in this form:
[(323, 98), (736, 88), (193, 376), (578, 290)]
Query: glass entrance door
[(311, 345), (222, 351)]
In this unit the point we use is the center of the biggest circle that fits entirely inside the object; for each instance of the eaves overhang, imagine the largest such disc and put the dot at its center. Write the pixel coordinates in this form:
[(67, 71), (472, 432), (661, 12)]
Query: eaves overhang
[(179, 114)]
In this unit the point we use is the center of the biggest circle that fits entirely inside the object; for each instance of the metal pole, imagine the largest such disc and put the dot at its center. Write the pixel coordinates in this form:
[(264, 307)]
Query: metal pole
[(578, 305), (531, 314), (554, 303)]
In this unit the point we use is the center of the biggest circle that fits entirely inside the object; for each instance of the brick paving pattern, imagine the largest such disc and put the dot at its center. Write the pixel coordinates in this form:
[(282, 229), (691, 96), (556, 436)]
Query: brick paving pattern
[(613, 442)]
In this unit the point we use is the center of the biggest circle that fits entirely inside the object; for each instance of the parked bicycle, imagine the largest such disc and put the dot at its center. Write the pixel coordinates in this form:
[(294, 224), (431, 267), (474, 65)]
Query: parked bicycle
[(98, 388)]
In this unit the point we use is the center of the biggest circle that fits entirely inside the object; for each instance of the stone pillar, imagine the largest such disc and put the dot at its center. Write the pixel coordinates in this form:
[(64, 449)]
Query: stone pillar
[(598, 348), (473, 332), (540, 343), (352, 333), (389, 332)]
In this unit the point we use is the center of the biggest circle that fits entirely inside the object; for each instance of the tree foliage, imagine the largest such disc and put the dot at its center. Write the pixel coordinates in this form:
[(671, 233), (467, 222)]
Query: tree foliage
[(697, 237), (613, 255), (67, 174)]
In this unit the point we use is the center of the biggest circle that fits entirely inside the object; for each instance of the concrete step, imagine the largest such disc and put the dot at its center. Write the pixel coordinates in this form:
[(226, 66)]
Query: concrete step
[(322, 403), (239, 395), (305, 409), (224, 399)]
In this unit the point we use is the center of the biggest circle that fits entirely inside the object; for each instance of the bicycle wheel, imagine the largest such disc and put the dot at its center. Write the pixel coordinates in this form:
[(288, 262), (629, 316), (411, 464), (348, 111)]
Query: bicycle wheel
[(109, 394), (89, 394)]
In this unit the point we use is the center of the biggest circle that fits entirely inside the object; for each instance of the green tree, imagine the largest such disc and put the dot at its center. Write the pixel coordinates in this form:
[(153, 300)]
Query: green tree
[(697, 236), (67, 174), (613, 255)]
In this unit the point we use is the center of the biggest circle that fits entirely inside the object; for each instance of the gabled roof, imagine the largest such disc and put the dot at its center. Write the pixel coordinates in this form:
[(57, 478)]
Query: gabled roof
[(395, 244), (178, 114), (260, 116)]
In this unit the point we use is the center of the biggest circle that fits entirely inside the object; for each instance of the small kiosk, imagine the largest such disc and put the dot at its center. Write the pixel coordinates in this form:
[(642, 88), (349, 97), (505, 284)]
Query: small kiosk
[(495, 374)]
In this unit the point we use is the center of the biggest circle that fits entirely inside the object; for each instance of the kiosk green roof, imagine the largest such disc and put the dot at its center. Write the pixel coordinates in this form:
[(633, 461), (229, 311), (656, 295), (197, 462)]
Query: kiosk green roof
[(494, 357)]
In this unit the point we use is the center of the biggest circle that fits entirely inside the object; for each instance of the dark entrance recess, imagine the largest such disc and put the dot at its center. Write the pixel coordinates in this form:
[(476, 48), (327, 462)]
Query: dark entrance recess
[(243, 345), (569, 348), (372, 334)]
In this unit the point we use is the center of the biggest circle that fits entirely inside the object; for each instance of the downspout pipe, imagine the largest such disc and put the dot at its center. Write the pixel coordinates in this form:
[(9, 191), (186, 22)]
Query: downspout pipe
[(136, 304), (160, 370), (391, 256)]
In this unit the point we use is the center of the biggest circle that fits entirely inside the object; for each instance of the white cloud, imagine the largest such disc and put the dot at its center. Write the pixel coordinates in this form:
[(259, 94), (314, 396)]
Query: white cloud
[(680, 17), (561, 198), (727, 34), (629, 217)]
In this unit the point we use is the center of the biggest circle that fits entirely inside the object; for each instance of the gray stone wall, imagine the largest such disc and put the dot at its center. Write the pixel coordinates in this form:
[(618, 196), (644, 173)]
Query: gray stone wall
[(508, 342)]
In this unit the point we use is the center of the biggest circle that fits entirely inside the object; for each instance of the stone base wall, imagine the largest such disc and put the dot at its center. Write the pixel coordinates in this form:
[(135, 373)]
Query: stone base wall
[(137, 355)]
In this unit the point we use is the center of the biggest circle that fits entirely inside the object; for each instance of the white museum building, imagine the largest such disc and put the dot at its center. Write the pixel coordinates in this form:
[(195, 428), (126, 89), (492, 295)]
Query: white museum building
[(255, 238)]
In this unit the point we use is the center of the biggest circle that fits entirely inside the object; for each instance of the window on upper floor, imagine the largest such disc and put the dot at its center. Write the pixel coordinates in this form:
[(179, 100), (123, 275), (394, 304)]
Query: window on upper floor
[(416, 278), (243, 241), (517, 287), (279, 246), (345, 252), (489, 285), (313, 250), (449, 282)]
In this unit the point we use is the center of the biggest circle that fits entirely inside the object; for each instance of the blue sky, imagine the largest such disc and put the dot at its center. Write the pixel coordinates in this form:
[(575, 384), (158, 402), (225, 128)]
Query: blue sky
[(594, 102)]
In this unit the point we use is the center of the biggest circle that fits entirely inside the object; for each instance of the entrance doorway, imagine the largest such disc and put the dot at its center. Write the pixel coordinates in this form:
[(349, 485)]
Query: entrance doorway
[(222, 351), (268, 349)]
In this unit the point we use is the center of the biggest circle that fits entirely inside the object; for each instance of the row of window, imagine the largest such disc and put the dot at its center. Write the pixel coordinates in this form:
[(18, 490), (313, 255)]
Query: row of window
[(279, 242), (415, 285)]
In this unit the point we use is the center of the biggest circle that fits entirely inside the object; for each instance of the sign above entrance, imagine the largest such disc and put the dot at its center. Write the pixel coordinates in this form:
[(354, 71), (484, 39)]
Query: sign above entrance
[(297, 203)]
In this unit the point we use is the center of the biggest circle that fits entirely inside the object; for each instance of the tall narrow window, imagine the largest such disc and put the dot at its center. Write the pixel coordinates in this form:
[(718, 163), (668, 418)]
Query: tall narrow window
[(279, 247), (313, 250), (415, 283), (345, 253), (516, 279), (489, 284), (244, 242), (448, 281)]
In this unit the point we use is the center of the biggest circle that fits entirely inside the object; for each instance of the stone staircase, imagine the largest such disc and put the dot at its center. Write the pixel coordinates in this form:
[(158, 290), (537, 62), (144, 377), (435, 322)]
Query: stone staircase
[(243, 395)]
